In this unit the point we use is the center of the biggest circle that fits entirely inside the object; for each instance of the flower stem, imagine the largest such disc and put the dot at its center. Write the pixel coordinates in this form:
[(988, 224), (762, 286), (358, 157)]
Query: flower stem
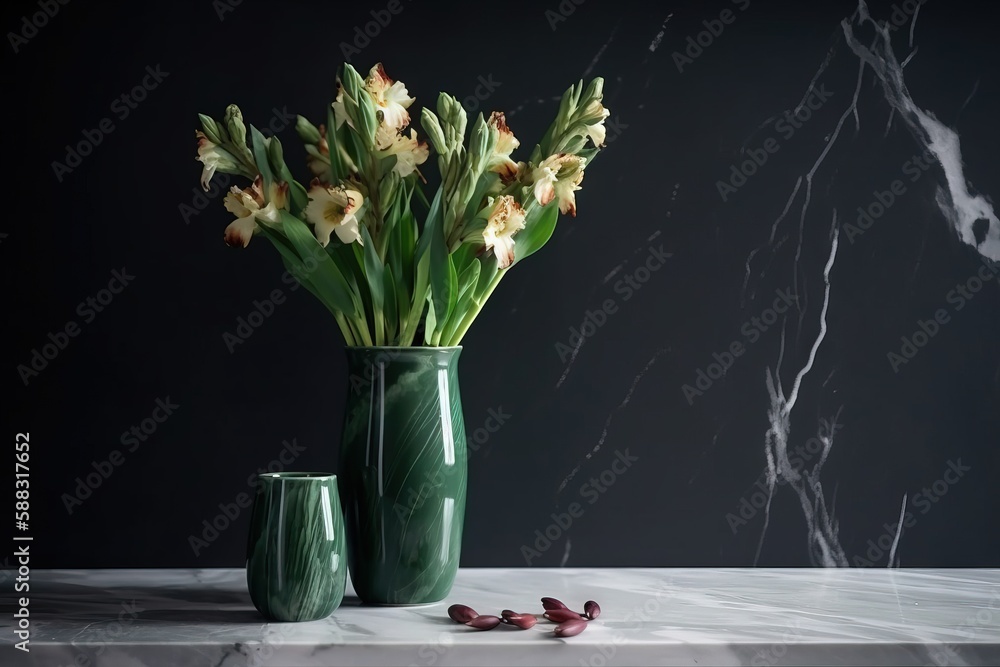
[(345, 328), (362, 329), (470, 316)]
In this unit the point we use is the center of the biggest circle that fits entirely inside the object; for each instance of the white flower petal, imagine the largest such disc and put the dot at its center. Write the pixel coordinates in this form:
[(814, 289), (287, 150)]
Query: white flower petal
[(322, 229), (270, 214), (559, 176), (235, 203), (503, 248), (597, 133), (544, 192), (391, 98), (240, 231), (348, 231), (506, 219), (332, 209), (206, 175)]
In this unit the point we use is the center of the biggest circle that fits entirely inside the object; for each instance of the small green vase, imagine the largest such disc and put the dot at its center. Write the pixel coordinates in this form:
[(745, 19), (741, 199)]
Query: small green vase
[(403, 473), (296, 569)]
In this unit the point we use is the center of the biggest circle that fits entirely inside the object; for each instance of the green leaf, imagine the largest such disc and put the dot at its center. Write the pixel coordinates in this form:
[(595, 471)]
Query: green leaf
[(354, 148), (463, 258), (452, 287), (403, 298), (299, 196), (351, 267), (337, 170), (391, 234), (391, 313), (327, 278), (442, 279), (430, 323), (433, 220), (419, 191), (486, 274), (467, 281), (373, 271), (343, 257), (407, 234), (260, 157), (486, 181), (418, 300), (537, 231), (291, 260)]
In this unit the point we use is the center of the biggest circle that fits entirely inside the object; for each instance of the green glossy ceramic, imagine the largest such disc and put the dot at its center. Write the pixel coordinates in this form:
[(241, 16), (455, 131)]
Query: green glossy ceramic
[(296, 569), (403, 473)]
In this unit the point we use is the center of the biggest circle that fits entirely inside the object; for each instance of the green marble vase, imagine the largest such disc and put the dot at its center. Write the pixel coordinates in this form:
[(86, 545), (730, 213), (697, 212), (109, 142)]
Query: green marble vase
[(296, 566), (403, 473)]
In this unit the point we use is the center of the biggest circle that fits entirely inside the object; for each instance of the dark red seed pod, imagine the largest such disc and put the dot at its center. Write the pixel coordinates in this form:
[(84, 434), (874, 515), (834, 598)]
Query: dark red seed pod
[(484, 622), (461, 614), (507, 613), (523, 621), (570, 628), (552, 603), (591, 609), (562, 615)]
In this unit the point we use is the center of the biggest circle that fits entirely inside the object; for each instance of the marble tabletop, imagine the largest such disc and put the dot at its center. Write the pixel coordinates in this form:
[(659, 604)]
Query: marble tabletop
[(650, 617)]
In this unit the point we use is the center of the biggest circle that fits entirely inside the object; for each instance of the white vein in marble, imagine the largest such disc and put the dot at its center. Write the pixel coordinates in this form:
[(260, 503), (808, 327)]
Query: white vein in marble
[(961, 207), (650, 617)]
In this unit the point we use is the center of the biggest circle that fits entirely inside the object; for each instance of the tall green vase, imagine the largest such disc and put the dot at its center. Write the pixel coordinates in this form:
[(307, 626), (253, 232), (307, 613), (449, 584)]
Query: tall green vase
[(403, 473)]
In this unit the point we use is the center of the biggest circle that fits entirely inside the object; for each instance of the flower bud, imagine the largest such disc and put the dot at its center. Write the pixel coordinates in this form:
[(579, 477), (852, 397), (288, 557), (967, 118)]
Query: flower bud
[(215, 134), (307, 131), (592, 609), (234, 123), (275, 155)]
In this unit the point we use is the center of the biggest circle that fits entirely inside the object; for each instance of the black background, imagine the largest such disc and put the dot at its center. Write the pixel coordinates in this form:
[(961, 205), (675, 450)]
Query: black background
[(655, 184)]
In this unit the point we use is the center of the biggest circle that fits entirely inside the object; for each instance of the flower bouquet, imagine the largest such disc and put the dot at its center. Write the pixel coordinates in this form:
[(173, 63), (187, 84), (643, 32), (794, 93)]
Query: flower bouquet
[(389, 274), (405, 276)]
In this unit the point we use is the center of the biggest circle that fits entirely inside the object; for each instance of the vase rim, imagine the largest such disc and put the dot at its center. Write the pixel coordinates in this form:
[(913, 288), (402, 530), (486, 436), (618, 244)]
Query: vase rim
[(404, 347), (297, 476)]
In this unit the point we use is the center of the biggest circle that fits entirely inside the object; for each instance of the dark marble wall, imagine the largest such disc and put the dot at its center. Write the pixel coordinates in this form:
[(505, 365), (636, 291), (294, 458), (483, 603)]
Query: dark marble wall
[(769, 337)]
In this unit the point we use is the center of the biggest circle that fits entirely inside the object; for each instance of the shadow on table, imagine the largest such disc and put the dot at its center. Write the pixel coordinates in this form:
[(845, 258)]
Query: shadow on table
[(69, 602)]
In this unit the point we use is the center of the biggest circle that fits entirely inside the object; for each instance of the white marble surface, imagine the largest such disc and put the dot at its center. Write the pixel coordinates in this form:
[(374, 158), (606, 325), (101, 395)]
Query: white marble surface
[(650, 617)]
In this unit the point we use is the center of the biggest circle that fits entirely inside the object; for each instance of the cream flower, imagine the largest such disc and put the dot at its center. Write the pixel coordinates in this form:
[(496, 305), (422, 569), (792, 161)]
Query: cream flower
[(391, 98), (212, 156), (559, 176), (334, 209), (596, 113), (340, 110), (385, 137), (506, 219), (500, 161), (247, 205), (408, 151)]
